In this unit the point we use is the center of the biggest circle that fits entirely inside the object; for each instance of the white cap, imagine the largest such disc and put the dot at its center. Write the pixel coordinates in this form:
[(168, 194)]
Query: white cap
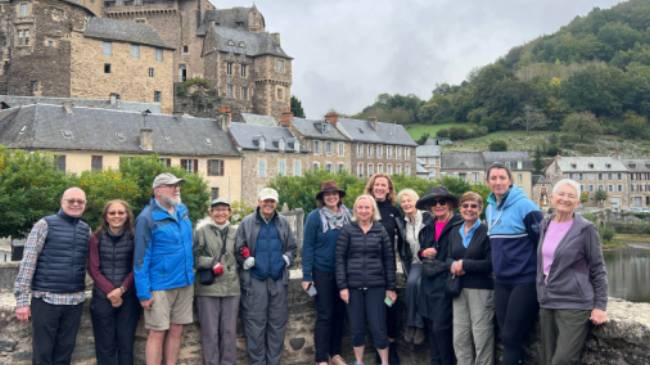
[(268, 193)]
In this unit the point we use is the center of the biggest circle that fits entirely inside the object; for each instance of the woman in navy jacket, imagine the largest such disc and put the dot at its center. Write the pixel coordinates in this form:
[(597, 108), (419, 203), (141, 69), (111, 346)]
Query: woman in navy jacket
[(322, 230)]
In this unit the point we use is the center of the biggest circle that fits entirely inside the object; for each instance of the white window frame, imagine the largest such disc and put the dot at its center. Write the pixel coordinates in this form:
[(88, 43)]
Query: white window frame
[(261, 168)]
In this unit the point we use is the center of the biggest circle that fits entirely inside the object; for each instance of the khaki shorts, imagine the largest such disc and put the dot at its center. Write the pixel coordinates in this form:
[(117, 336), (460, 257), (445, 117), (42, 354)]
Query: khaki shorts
[(173, 306)]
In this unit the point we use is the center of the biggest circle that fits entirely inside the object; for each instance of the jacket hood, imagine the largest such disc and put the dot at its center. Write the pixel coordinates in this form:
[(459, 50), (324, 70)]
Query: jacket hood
[(579, 222), (513, 195), (207, 221)]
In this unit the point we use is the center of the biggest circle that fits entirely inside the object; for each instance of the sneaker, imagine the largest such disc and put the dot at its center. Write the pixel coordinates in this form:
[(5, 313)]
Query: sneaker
[(418, 336), (393, 357), (408, 334)]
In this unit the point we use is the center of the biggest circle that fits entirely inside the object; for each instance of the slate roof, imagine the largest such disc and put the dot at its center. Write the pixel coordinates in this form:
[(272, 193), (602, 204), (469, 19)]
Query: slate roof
[(230, 17), (248, 136), (18, 100), (249, 43), (125, 31), (51, 127), (637, 165), (317, 129), (470, 161), (257, 119), (363, 131), (510, 158), (79, 4), (582, 164), (428, 150)]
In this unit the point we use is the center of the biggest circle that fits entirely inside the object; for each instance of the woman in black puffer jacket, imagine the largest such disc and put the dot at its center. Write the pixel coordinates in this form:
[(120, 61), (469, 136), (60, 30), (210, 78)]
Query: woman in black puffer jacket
[(365, 275), (435, 304)]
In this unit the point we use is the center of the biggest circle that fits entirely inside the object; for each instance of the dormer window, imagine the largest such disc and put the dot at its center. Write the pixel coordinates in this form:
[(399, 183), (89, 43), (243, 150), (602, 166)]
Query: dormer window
[(242, 45), (281, 145), (608, 165), (231, 42), (574, 166), (520, 165), (591, 166), (632, 165)]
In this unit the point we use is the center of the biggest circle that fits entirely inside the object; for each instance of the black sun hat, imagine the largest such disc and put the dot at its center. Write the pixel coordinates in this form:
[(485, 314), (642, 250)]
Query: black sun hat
[(438, 193)]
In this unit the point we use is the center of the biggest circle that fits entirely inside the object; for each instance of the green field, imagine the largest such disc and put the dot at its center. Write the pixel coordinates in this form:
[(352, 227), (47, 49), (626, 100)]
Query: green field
[(528, 141)]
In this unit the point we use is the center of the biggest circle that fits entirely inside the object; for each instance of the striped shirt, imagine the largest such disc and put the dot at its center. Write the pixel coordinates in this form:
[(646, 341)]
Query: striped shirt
[(23, 285)]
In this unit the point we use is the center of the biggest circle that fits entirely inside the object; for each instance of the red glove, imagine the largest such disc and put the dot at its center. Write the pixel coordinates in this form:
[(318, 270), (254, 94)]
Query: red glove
[(245, 252), (217, 269)]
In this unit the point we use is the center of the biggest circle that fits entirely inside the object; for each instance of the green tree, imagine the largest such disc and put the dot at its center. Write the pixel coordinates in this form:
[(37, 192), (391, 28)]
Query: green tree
[(582, 126), (498, 146), (584, 197), (538, 163), (634, 126), (600, 196), (296, 107), (142, 171), (30, 188)]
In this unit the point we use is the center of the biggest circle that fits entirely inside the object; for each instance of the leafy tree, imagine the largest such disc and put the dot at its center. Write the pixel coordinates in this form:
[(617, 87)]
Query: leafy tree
[(498, 146), (582, 126), (30, 188), (584, 197), (600, 196), (634, 126), (423, 138), (296, 107), (142, 171), (538, 163)]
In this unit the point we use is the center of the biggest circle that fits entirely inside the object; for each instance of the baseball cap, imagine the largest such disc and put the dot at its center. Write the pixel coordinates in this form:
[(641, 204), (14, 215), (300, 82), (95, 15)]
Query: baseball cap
[(166, 179), (219, 201), (267, 193)]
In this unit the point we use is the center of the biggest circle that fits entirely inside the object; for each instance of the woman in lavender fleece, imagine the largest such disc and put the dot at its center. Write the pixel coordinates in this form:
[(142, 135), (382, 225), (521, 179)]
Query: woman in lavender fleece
[(571, 278)]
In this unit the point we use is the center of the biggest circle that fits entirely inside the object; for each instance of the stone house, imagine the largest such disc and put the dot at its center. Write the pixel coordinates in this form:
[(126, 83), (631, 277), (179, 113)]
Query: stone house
[(429, 156), (594, 173), (61, 48), (639, 180), (330, 149), (230, 48), (377, 146), (267, 152), (70, 133)]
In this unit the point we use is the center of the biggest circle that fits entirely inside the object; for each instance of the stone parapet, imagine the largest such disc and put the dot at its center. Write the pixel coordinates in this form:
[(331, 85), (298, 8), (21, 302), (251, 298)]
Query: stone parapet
[(625, 339)]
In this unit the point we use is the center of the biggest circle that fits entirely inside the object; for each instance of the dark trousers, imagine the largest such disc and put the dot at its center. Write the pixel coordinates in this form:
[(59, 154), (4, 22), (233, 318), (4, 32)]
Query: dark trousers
[(114, 328), (516, 309), (330, 314), (440, 344), (54, 332), (563, 335), (367, 305)]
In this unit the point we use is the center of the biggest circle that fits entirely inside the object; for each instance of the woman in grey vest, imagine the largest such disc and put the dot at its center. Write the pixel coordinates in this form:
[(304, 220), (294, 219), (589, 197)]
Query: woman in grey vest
[(114, 308)]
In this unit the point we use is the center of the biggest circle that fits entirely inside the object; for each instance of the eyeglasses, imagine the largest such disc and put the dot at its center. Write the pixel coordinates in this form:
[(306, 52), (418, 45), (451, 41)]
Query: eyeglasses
[(467, 205), (116, 212), (441, 203), (75, 201)]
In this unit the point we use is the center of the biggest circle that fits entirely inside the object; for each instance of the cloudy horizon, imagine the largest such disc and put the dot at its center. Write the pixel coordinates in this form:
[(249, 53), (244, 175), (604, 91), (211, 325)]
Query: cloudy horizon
[(346, 53)]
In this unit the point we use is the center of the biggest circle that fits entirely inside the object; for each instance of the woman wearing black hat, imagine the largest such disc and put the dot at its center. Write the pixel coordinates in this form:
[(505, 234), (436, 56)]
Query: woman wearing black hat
[(435, 304), (322, 230)]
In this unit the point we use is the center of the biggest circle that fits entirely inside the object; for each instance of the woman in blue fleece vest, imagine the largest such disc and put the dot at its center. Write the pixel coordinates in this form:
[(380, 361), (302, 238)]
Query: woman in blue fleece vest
[(513, 227)]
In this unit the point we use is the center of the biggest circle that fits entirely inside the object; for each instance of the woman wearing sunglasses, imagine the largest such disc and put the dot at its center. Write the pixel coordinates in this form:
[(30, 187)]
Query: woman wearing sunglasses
[(435, 304), (114, 307), (474, 306), (513, 227)]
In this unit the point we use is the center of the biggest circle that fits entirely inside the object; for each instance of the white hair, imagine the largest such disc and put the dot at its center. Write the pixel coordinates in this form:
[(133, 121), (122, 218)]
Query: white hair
[(375, 216), (572, 183), (409, 192)]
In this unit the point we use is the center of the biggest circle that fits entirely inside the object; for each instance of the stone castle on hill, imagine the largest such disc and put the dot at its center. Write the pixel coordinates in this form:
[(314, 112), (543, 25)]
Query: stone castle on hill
[(138, 50)]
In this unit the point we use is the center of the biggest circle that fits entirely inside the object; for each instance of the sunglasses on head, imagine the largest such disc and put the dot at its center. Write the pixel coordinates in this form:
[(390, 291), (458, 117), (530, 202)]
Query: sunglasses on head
[(441, 203)]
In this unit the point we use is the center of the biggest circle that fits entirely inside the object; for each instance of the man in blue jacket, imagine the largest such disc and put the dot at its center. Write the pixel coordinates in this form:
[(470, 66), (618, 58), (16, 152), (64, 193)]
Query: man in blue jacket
[(163, 268), (264, 247)]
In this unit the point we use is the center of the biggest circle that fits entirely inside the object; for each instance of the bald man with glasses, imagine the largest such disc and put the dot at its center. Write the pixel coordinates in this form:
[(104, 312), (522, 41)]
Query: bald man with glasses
[(51, 280)]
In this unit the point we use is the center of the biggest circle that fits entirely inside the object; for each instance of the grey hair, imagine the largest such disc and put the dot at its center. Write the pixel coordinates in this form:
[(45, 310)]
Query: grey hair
[(375, 217), (574, 184), (409, 192)]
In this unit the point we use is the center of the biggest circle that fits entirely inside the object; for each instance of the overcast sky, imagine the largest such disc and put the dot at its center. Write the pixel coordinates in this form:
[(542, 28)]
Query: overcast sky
[(346, 52)]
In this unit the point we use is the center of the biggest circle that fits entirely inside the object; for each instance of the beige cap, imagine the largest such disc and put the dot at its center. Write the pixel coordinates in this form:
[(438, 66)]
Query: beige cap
[(268, 193), (166, 179)]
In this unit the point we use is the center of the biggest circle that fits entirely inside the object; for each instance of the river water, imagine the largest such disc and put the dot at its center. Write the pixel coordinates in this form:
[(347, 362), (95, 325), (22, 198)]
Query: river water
[(628, 273)]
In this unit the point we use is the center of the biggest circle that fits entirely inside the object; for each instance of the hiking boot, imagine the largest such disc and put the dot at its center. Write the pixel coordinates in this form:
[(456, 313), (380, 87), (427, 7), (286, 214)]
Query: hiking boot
[(393, 357)]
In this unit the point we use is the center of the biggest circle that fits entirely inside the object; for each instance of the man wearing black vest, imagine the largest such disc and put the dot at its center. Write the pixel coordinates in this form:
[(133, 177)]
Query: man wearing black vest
[(50, 283)]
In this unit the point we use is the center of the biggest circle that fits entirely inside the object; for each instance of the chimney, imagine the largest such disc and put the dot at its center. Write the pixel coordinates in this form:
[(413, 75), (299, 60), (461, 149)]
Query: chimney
[(276, 38), (224, 117), (373, 122), (146, 139), (286, 118), (332, 118)]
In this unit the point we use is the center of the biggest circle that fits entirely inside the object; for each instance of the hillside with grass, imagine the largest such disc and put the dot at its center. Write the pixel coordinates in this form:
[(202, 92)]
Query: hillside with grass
[(588, 81)]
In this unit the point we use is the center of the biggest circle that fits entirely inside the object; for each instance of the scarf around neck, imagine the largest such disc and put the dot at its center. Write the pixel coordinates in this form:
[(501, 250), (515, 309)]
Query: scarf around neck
[(334, 220)]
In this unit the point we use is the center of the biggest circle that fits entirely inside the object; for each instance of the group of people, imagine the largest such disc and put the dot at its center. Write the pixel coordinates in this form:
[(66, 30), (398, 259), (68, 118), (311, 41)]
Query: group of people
[(460, 274)]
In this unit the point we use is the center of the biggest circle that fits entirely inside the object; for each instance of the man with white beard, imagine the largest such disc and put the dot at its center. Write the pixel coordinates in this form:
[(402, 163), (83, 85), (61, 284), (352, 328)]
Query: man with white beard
[(163, 269)]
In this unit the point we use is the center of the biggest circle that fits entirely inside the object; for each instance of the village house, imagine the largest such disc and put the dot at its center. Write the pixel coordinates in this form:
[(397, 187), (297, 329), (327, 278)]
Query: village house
[(70, 134)]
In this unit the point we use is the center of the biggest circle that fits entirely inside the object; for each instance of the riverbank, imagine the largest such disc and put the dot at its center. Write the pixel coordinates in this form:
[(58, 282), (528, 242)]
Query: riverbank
[(622, 240)]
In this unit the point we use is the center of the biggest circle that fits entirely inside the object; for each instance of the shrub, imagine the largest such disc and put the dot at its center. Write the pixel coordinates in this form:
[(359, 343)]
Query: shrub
[(498, 146), (606, 232)]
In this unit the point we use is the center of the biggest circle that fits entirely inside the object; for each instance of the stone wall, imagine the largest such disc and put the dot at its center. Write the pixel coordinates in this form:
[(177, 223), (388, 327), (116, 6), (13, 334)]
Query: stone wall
[(129, 77), (625, 339)]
